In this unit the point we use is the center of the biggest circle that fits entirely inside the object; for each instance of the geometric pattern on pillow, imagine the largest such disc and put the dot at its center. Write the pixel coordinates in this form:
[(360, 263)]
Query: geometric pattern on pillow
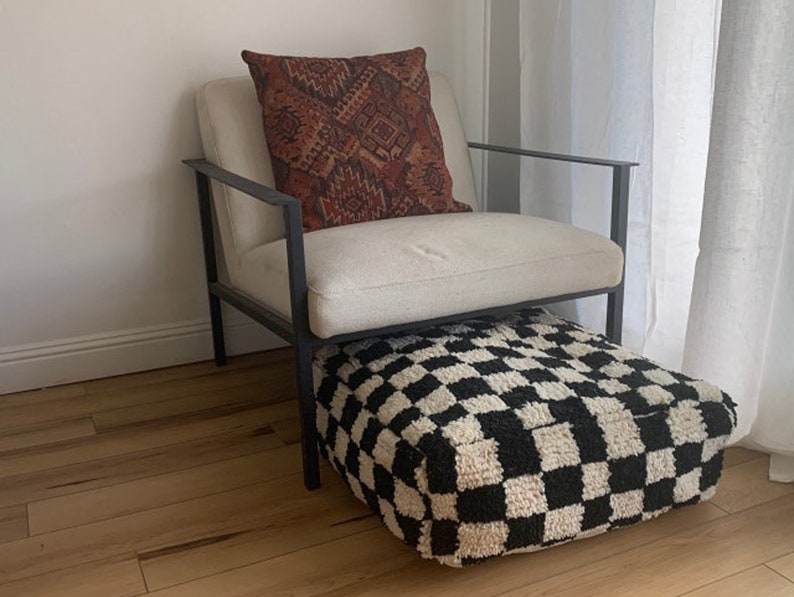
[(495, 436), (355, 139)]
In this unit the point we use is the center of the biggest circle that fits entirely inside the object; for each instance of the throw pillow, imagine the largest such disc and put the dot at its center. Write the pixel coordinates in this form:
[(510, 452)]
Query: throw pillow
[(355, 139)]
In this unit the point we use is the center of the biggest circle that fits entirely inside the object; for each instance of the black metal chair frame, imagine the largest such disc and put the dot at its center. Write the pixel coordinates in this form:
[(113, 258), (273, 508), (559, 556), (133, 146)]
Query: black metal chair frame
[(297, 331)]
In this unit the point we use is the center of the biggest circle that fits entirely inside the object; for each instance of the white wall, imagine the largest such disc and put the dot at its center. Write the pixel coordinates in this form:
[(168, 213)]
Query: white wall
[(100, 263)]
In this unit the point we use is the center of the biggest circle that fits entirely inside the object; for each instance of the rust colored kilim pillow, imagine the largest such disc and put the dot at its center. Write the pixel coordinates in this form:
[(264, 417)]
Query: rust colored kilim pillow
[(355, 139)]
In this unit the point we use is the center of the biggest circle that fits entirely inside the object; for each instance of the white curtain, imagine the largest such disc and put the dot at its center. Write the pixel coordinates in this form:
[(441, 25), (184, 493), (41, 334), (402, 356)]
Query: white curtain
[(741, 327), (610, 78), (635, 79), (586, 88)]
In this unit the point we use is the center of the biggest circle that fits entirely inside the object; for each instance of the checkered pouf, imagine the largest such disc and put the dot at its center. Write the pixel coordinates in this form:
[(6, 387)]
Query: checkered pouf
[(495, 436)]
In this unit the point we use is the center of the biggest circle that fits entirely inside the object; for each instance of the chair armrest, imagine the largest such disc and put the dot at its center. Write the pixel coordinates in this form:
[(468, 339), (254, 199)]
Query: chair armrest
[(621, 172), (293, 227), (247, 186), (562, 157)]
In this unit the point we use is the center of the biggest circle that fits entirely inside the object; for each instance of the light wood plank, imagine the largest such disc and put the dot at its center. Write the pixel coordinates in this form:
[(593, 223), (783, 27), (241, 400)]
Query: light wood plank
[(266, 359), (135, 496), (126, 441), (746, 485), (261, 392), (289, 430), (421, 577), (784, 566), (738, 455), (179, 388), (340, 517), (13, 523), (31, 414), (182, 526), (64, 409), (755, 581), (41, 396), (50, 434), (691, 559), (109, 578), (92, 474), (331, 566)]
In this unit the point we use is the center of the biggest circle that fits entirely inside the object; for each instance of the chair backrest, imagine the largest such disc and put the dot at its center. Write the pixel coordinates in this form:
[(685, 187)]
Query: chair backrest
[(230, 119)]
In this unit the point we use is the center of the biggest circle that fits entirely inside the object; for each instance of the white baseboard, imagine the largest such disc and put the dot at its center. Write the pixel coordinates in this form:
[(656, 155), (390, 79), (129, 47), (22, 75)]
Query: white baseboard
[(45, 364)]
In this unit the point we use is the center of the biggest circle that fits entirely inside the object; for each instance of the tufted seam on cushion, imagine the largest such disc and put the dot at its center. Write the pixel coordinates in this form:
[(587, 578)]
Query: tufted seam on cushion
[(325, 297), (595, 253), (325, 304), (562, 258)]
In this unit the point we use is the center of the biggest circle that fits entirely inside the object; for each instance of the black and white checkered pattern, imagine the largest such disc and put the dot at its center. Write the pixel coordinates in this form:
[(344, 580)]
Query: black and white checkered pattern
[(489, 437)]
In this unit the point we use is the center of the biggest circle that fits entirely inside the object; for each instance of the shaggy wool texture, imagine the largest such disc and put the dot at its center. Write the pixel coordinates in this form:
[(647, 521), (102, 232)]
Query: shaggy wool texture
[(495, 436)]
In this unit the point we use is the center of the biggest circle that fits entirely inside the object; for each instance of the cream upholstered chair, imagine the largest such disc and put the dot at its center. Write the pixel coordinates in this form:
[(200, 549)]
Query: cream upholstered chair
[(369, 278)]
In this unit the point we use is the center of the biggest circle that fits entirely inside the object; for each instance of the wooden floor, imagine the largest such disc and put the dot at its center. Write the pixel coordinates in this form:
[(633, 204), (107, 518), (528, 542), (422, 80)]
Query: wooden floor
[(186, 482)]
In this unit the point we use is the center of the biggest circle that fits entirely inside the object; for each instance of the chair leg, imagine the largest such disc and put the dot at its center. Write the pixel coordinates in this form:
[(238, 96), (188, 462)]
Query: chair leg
[(307, 407), (615, 315), (210, 265), (216, 320)]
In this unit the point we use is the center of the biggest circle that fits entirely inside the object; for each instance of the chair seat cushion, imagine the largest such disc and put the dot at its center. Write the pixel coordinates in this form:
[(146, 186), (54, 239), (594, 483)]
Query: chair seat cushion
[(376, 274), (494, 436)]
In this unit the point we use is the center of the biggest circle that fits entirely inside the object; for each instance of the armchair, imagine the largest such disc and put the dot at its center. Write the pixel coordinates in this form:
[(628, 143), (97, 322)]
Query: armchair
[(386, 276)]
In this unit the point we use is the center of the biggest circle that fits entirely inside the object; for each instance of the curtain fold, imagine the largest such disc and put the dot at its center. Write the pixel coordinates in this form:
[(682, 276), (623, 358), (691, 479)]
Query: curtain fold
[(701, 92), (629, 79), (741, 326), (586, 88), (685, 49)]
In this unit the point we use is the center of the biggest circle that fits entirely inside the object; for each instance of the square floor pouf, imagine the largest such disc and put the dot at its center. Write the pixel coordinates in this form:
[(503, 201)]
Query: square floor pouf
[(495, 436)]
